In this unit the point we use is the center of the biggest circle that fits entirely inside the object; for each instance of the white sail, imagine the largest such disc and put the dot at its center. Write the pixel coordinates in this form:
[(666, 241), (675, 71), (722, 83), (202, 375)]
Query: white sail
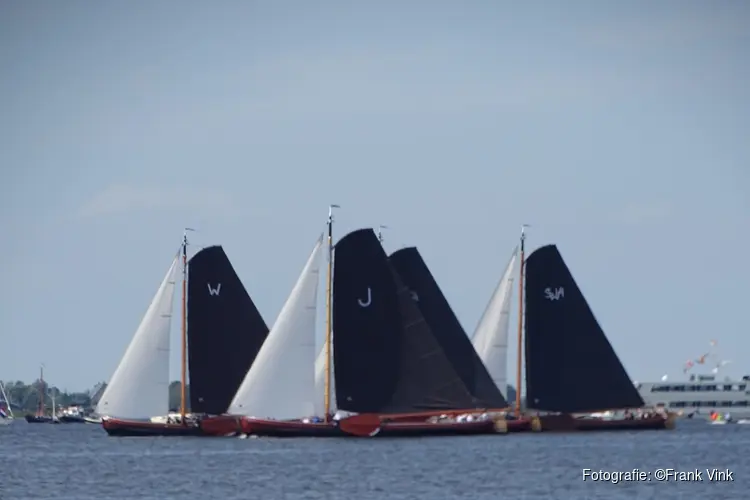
[(6, 415), (281, 382), (139, 388), (490, 338), (320, 382)]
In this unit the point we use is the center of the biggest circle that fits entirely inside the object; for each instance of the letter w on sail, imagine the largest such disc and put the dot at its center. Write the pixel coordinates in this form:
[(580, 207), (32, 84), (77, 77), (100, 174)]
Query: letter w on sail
[(556, 294), (214, 291), (366, 303)]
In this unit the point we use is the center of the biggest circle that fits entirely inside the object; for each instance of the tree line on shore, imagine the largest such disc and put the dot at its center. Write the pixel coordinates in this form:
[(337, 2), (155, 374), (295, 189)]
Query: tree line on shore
[(24, 398)]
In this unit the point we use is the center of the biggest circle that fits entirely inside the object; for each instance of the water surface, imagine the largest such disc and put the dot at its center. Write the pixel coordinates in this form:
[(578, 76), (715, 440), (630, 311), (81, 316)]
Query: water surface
[(80, 462)]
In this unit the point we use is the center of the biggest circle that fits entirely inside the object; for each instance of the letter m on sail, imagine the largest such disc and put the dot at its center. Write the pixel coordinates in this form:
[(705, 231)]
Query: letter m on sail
[(214, 291)]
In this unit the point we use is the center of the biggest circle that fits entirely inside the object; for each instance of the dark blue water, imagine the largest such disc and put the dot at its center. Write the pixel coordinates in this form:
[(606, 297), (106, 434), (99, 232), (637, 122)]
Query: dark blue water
[(80, 462)]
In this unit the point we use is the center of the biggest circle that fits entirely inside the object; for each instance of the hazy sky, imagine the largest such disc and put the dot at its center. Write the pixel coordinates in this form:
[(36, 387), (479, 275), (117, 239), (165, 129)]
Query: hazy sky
[(619, 130)]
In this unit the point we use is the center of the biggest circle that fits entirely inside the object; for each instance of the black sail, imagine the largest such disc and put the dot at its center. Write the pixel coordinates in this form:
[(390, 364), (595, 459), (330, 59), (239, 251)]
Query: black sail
[(225, 331), (570, 365), (385, 357), (365, 360), (446, 328), (427, 378)]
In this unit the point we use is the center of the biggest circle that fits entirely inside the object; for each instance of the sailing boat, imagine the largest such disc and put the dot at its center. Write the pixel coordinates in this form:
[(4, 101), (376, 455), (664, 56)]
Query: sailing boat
[(565, 345), (222, 317), (419, 377), (408, 264), (6, 412), (486, 358), (40, 417), (280, 385), (388, 359), (139, 387)]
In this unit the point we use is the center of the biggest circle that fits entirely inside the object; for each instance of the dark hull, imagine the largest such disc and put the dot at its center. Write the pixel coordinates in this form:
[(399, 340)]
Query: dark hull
[(519, 425), (424, 429), (136, 428), (36, 419), (70, 419), (568, 423), (289, 428), (501, 425), (361, 426), (422, 416)]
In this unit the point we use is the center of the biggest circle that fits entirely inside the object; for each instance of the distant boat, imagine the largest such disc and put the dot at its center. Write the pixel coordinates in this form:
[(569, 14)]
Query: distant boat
[(6, 412), (40, 417), (701, 395), (73, 414), (718, 418)]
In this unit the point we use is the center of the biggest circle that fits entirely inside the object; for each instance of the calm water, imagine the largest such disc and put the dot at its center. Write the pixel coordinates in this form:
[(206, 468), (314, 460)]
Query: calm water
[(81, 462)]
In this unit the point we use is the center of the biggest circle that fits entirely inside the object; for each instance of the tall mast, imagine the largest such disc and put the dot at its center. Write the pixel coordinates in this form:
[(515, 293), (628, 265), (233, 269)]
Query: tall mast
[(183, 336), (327, 395), (42, 391), (519, 356)]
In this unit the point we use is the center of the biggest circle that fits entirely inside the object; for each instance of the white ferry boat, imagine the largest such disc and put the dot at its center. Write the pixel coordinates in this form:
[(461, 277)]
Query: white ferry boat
[(700, 395)]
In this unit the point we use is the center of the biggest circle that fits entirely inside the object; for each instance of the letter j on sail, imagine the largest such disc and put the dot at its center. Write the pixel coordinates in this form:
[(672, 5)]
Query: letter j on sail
[(366, 303)]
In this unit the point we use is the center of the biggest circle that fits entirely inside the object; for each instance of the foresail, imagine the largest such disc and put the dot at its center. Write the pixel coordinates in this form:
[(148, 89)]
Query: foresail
[(281, 381), (320, 382), (490, 338), (139, 388)]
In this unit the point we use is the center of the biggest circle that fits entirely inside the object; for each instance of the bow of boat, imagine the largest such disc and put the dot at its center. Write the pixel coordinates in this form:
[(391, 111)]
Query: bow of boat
[(221, 425)]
